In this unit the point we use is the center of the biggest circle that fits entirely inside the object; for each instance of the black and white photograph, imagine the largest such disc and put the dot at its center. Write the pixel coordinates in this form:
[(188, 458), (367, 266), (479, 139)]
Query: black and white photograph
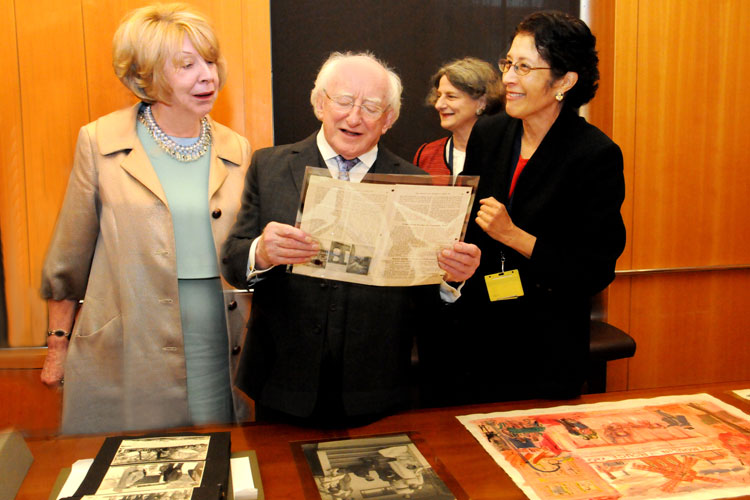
[(360, 258), (339, 253), (379, 467), (359, 264), (320, 260), (186, 466), (161, 449), (181, 494), (157, 476)]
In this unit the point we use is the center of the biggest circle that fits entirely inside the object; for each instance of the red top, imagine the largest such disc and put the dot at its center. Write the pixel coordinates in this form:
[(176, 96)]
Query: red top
[(430, 157), (519, 166)]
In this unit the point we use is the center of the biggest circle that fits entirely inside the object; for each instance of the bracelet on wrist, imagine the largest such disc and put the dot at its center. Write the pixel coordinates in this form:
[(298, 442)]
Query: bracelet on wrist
[(58, 333)]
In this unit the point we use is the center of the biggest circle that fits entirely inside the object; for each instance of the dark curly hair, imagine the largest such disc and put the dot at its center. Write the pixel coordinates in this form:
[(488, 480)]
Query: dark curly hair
[(566, 44)]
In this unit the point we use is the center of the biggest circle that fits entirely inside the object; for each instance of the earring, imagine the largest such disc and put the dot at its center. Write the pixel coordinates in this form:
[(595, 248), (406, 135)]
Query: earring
[(559, 96), (480, 111)]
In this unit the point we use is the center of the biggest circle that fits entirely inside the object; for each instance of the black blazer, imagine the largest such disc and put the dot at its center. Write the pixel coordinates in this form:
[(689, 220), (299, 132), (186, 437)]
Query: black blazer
[(299, 324), (569, 196)]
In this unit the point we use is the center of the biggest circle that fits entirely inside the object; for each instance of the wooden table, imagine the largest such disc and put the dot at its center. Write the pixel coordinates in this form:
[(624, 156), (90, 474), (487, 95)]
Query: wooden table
[(441, 438)]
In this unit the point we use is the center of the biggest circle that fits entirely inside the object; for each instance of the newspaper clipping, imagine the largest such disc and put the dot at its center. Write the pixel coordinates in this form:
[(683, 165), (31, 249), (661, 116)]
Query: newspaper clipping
[(386, 230)]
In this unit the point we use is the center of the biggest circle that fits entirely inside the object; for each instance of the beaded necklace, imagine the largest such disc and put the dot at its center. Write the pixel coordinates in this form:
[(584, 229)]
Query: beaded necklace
[(176, 151)]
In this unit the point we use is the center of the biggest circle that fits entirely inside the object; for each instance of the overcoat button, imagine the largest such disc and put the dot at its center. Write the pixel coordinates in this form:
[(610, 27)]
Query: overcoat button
[(236, 350), (232, 305), (216, 213)]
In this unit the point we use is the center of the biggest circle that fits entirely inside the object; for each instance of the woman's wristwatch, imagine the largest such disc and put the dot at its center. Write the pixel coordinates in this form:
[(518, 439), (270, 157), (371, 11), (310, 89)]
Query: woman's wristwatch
[(58, 333)]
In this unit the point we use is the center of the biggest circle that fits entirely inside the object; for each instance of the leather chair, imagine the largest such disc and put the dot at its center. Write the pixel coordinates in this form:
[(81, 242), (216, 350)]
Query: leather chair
[(607, 343)]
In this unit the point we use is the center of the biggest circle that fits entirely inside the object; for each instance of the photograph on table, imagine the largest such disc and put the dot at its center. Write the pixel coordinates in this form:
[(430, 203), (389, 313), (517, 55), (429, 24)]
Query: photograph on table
[(141, 478), (377, 467), (183, 494), (175, 466), (161, 449)]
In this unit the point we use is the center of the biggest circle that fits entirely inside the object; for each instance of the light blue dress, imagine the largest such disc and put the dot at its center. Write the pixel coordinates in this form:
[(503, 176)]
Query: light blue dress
[(204, 326)]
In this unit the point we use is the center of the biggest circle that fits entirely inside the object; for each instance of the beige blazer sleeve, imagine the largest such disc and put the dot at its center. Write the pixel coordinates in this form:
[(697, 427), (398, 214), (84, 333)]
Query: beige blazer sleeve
[(68, 262)]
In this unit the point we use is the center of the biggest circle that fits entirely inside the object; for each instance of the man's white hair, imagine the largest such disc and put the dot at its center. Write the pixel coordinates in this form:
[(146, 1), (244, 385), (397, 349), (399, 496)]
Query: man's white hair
[(328, 70)]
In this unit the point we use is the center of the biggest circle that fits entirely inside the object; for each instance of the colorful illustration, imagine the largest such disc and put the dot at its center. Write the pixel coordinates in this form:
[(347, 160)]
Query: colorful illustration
[(674, 447), (744, 394)]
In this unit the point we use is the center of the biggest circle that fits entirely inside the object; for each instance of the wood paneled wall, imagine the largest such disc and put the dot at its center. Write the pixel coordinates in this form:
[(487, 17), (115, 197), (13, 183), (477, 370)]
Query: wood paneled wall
[(59, 76), (676, 105), (27, 404), (673, 96)]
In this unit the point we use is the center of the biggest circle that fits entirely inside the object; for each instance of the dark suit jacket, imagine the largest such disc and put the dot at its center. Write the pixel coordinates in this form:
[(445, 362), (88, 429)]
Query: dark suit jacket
[(300, 325), (569, 197)]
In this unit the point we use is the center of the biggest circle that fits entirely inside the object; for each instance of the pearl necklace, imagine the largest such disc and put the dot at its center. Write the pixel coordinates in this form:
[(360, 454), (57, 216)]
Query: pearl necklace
[(176, 151)]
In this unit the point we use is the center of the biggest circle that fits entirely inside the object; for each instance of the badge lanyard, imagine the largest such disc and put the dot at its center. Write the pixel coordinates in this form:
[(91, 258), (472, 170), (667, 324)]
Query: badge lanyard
[(450, 154), (504, 285)]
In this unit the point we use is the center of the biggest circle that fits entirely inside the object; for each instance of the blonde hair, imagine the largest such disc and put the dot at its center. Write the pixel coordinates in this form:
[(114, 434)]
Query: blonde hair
[(149, 37)]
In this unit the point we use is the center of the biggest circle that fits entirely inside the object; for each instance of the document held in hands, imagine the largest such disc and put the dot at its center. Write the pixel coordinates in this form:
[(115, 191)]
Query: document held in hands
[(386, 230)]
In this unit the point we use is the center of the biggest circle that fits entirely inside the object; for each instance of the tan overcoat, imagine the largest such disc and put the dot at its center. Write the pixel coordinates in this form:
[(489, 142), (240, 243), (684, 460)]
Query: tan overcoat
[(114, 247)]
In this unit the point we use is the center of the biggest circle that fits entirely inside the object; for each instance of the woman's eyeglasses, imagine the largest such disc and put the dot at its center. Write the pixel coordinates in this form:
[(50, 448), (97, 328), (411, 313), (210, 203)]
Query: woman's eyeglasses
[(521, 69)]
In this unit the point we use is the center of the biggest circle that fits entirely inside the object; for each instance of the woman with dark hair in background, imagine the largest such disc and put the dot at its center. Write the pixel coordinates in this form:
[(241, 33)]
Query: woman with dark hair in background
[(463, 90), (547, 219)]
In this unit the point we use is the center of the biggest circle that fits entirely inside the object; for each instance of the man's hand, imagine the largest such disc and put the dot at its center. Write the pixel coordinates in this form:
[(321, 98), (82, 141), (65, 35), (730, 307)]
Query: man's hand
[(282, 244), (459, 262)]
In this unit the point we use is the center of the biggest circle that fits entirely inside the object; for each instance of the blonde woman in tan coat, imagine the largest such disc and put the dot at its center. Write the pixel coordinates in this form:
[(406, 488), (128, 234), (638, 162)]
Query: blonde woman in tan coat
[(153, 192)]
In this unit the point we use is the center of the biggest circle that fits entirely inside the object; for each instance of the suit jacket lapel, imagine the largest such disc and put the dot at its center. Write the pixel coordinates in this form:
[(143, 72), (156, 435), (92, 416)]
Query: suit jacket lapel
[(385, 163), (501, 164), (220, 148), (537, 173), (116, 132), (137, 164), (303, 154), (225, 146)]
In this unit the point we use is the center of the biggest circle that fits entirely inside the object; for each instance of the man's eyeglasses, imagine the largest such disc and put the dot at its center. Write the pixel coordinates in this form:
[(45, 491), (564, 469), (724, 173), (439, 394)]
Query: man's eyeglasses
[(521, 69), (346, 103)]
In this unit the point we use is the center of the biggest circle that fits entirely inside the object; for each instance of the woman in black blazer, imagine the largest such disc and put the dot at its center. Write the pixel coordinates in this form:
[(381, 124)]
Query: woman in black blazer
[(549, 209)]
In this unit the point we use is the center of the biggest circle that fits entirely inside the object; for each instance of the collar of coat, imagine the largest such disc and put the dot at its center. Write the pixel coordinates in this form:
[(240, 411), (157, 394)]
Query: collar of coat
[(116, 132)]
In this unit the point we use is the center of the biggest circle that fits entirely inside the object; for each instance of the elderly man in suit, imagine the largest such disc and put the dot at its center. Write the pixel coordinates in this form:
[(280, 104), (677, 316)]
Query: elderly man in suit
[(321, 351)]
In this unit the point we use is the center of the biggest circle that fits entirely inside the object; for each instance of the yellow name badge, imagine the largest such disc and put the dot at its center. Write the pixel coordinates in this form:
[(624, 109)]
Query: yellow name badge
[(504, 286)]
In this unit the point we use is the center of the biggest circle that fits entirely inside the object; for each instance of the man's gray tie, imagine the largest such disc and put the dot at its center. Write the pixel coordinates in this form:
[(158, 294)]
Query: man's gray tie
[(345, 166)]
